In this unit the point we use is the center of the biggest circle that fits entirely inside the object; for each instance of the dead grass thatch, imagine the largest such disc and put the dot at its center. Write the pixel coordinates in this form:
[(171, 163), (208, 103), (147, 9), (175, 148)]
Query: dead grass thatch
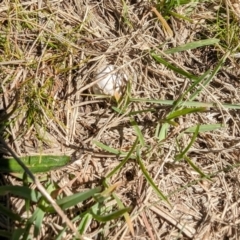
[(50, 52)]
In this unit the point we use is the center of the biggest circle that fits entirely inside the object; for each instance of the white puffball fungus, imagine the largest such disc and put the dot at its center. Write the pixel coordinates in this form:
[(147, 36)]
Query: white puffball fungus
[(111, 84)]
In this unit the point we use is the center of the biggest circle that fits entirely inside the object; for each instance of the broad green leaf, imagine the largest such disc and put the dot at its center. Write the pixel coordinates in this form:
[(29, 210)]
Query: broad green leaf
[(36, 164)]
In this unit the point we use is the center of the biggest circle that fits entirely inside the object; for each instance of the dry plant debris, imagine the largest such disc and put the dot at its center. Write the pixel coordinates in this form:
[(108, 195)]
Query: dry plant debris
[(50, 52)]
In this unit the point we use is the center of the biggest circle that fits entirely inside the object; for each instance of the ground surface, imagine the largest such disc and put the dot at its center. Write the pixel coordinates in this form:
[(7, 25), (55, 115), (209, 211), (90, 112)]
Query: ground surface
[(50, 53)]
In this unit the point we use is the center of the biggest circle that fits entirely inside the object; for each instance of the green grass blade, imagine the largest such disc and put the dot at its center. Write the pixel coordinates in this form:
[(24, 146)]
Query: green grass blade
[(118, 110), (176, 15), (123, 162), (85, 222), (185, 111), (204, 128), (149, 179), (5, 211), (74, 199), (38, 222), (171, 122), (30, 222), (6, 234), (197, 169), (111, 150), (110, 216), (138, 132), (184, 73), (60, 236), (142, 111), (192, 45), (186, 103), (25, 184), (21, 192), (157, 130), (212, 75), (182, 155), (193, 139), (162, 134), (126, 214), (17, 234), (193, 85), (36, 164)]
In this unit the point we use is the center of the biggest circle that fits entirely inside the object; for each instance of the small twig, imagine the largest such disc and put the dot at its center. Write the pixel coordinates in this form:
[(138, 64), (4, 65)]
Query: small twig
[(42, 190), (142, 213), (188, 231), (13, 62)]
